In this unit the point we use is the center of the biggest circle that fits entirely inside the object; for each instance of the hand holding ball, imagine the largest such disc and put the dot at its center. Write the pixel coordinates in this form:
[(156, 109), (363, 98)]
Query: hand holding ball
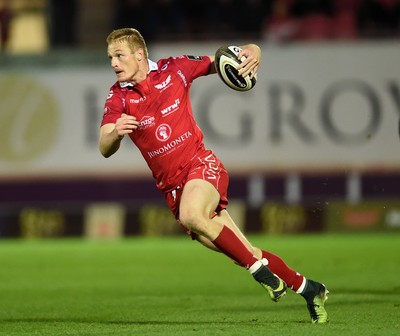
[(226, 60)]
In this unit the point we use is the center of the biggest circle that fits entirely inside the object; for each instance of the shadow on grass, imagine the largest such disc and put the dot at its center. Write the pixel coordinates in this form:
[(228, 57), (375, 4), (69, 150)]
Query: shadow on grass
[(126, 322), (383, 291)]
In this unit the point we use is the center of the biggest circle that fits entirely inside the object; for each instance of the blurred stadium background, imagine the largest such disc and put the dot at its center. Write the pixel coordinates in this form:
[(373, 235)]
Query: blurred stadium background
[(313, 148)]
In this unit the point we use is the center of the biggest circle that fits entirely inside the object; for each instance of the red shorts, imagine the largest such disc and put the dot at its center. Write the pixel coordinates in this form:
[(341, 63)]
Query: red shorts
[(206, 167)]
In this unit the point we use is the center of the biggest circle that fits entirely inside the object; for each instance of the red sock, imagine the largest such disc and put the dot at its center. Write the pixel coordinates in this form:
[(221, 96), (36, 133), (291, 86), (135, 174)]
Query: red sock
[(229, 244), (293, 279)]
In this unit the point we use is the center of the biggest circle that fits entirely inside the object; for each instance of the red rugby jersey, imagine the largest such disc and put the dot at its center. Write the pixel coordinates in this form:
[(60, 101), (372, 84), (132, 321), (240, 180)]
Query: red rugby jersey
[(167, 136)]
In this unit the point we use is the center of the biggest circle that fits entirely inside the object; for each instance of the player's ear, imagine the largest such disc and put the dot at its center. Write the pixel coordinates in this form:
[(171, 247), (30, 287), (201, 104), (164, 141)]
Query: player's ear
[(139, 54)]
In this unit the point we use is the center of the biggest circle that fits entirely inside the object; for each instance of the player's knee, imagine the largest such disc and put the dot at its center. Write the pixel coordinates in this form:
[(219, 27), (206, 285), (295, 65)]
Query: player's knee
[(193, 221)]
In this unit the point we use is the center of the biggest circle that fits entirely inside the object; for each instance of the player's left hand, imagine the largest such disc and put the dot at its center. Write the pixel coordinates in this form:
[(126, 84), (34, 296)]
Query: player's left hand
[(250, 65)]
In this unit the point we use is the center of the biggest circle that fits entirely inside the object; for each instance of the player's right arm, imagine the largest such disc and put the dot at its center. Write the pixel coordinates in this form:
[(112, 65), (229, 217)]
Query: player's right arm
[(111, 134)]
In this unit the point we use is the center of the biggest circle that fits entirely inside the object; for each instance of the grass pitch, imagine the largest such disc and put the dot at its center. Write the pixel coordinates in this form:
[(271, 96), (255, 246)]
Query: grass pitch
[(174, 286)]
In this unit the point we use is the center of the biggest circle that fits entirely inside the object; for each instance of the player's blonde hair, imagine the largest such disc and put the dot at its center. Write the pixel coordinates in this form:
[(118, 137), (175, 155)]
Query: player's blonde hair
[(132, 36)]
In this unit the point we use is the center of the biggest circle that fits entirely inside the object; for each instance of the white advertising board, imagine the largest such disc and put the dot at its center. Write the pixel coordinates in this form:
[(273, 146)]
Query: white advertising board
[(315, 107)]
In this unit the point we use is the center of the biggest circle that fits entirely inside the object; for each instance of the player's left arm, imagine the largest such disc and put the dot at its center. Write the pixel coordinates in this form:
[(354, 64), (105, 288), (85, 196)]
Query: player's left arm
[(250, 65)]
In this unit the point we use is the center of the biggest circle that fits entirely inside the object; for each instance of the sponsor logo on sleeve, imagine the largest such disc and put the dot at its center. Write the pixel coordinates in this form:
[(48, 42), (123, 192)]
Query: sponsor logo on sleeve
[(194, 58), (180, 74)]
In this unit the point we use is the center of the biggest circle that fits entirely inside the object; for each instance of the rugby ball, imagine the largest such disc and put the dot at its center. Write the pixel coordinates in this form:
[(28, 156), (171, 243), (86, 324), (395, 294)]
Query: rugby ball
[(226, 60)]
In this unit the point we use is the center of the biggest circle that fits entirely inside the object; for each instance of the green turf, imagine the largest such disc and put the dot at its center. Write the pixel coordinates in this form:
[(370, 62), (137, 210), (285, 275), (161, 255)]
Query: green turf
[(173, 286)]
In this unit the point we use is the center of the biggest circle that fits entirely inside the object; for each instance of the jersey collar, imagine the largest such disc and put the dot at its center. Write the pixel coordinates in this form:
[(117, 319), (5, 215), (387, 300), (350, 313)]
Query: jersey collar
[(152, 67)]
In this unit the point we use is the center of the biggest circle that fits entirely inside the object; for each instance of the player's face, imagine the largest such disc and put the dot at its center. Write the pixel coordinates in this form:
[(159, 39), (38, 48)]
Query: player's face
[(123, 62)]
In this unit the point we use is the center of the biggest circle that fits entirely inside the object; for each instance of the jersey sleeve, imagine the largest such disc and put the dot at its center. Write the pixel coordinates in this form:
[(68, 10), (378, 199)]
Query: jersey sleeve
[(194, 66), (113, 107)]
